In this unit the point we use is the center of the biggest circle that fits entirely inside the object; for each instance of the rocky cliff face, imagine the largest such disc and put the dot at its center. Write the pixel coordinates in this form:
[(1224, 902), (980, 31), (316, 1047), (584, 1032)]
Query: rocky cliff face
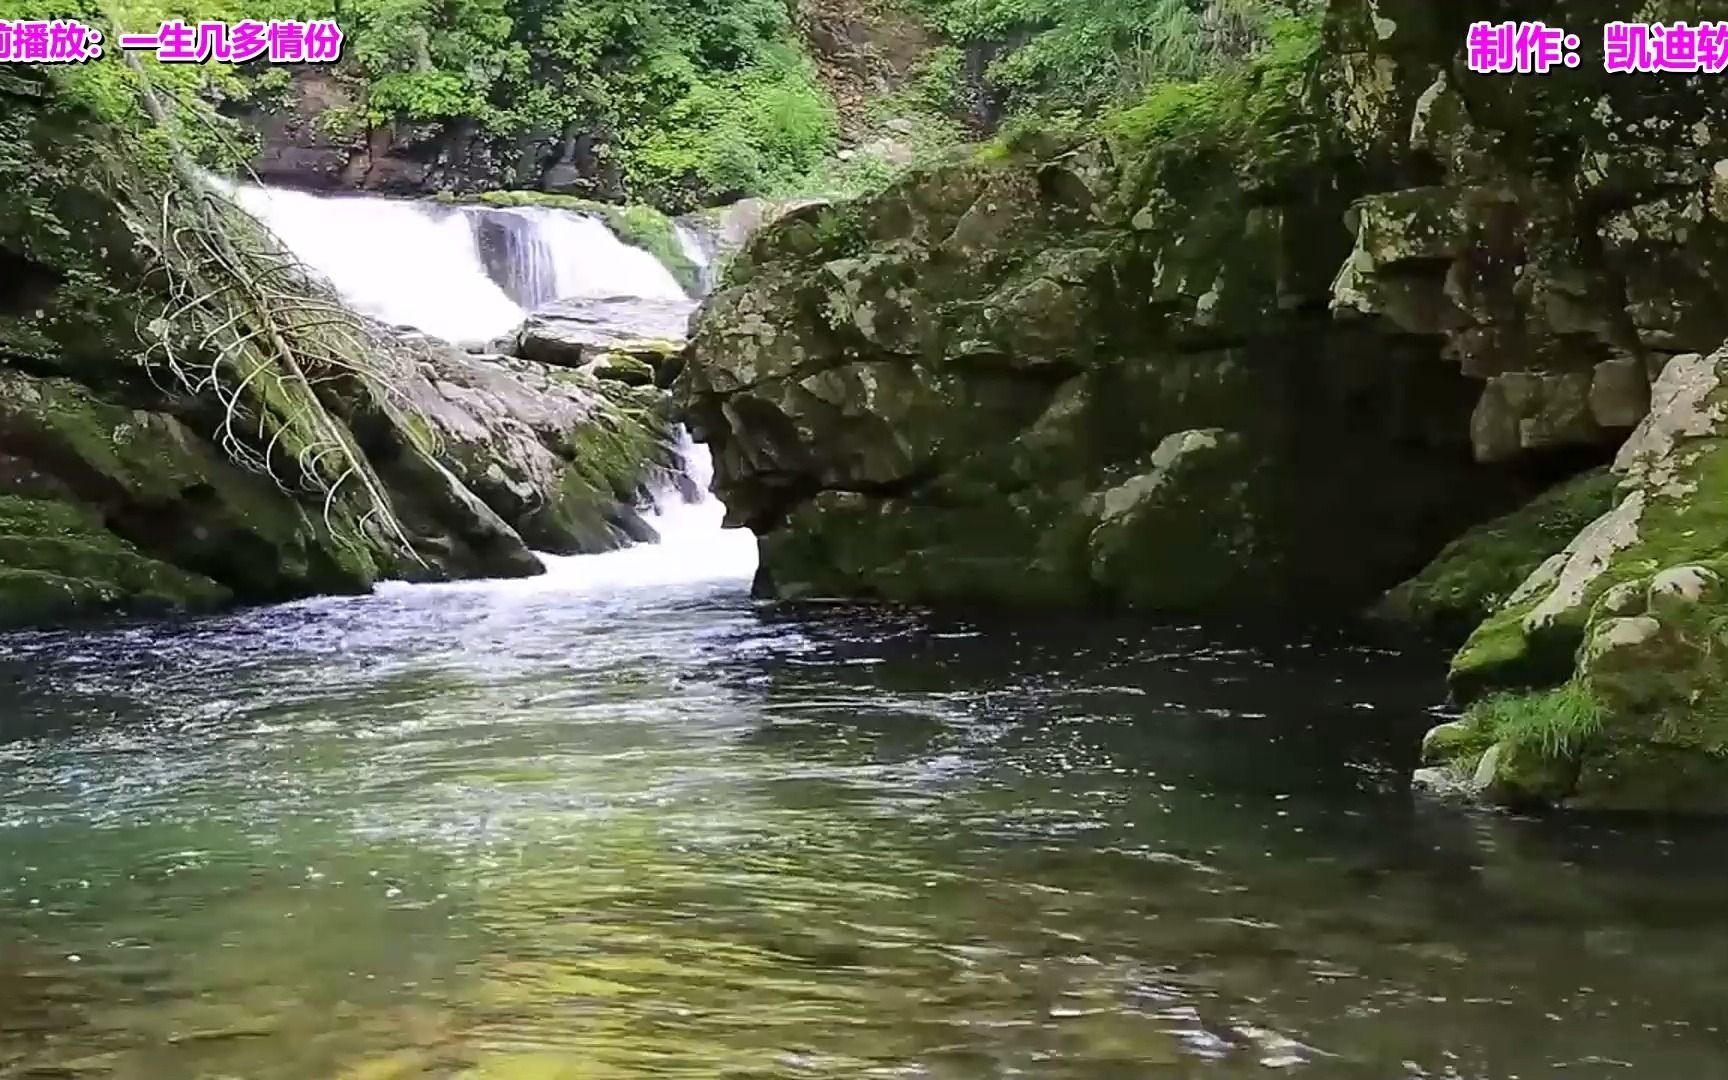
[(1266, 347), (153, 457)]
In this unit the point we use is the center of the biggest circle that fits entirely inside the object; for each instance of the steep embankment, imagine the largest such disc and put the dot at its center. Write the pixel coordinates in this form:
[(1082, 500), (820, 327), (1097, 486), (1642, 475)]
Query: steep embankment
[(1265, 346), (187, 418)]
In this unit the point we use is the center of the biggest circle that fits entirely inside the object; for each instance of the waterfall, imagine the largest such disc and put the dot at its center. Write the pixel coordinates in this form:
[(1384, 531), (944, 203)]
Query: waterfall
[(696, 248), (407, 263), (472, 274), (463, 273), (693, 547), (587, 260)]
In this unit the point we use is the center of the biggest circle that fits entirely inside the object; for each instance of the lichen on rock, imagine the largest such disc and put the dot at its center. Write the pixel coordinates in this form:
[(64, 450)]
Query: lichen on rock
[(1634, 613)]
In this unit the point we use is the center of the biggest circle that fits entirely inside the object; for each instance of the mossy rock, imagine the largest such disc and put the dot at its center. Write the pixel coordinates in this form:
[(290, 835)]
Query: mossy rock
[(1637, 775), (1519, 775), (1634, 612), (1519, 749), (1475, 574), (56, 562), (169, 491)]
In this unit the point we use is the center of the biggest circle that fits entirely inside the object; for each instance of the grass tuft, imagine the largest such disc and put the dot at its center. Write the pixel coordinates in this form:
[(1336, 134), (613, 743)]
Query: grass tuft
[(1558, 723)]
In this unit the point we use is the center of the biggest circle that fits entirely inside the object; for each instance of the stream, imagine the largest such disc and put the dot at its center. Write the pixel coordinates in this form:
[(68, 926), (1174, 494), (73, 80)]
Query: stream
[(621, 821)]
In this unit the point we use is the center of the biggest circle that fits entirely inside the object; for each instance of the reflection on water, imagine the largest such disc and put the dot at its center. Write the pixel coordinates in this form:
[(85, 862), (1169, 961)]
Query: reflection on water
[(648, 830)]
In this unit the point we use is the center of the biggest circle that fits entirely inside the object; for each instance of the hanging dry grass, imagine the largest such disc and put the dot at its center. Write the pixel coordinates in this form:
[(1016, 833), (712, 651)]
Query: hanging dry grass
[(245, 324)]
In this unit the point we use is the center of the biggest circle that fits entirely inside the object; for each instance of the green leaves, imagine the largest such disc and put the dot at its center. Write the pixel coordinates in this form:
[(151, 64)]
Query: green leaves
[(688, 99), (1065, 56)]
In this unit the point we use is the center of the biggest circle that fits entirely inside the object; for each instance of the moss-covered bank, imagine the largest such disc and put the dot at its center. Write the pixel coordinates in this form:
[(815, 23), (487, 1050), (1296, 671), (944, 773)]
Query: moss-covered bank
[(1267, 345), (197, 420)]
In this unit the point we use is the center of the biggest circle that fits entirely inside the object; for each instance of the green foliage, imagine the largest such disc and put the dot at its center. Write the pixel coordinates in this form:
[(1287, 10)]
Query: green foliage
[(1556, 723), (938, 80), (341, 122), (689, 101), (749, 133), (1258, 103), (1169, 111), (849, 179), (430, 60), (839, 230), (1072, 56)]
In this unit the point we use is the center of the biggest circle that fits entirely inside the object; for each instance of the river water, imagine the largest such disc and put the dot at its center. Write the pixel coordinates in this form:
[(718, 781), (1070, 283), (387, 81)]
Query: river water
[(622, 822)]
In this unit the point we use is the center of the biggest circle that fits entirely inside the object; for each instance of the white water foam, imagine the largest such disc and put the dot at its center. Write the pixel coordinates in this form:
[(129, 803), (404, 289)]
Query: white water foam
[(405, 263), (588, 260), (691, 243), (418, 265), (693, 548)]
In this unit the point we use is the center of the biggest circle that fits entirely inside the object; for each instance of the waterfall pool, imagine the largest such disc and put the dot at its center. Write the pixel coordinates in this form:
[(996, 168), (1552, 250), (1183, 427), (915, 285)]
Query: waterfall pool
[(619, 822)]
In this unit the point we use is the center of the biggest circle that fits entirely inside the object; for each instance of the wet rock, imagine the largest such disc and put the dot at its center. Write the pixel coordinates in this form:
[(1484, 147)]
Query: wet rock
[(561, 457), (316, 134), (151, 479), (1448, 741), (1619, 393), (573, 332), (58, 562), (928, 395)]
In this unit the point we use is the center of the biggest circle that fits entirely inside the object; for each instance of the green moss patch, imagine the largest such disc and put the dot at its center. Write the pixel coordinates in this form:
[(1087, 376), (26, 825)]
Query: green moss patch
[(1556, 723), (1475, 574), (56, 563)]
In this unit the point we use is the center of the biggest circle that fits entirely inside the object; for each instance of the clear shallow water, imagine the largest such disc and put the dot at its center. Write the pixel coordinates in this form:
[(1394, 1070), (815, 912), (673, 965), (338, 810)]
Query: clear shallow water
[(644, 829)]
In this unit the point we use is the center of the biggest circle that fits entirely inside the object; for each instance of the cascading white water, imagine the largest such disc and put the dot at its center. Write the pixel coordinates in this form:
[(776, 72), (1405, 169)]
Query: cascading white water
[(587, 260), (691, 243), (421, 265), (693, 547), (409, 264)]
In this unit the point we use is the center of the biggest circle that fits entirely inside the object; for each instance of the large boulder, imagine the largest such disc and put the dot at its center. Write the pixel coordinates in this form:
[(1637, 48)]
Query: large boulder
[(967, 386), (1609, 660), (604, 333), (563, 457)]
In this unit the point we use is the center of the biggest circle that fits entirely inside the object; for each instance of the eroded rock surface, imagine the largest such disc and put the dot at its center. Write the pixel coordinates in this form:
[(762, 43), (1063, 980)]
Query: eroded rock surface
[(614, 337), (562, 456)]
